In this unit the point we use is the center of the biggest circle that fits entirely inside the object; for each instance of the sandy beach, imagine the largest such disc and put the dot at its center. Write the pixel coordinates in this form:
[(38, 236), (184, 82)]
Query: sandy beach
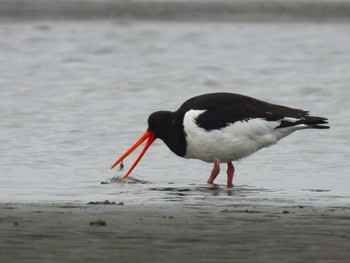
[(174, 232)]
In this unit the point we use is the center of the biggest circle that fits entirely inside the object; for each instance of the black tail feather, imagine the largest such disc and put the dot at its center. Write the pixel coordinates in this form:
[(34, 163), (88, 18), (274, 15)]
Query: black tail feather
[(310, 122), (315, 126)]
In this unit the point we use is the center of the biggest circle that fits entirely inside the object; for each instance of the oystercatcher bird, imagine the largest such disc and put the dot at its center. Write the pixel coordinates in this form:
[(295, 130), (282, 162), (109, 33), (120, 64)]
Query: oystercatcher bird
[(222, 127)]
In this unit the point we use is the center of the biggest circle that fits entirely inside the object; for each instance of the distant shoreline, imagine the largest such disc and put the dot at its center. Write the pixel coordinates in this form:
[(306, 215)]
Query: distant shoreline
[(237, 10)]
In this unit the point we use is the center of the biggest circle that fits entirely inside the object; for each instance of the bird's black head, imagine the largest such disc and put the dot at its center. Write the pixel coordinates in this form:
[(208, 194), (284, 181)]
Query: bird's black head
[(164, 125), (168, 126), (159, 126), (160, 123)]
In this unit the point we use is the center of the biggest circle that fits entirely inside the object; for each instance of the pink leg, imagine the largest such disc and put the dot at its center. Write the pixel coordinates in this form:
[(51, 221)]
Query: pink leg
[(214, 172), (230, 173)]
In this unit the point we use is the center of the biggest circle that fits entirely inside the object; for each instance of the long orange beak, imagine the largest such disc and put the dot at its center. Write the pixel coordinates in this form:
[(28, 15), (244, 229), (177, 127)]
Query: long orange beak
[(147, 135)]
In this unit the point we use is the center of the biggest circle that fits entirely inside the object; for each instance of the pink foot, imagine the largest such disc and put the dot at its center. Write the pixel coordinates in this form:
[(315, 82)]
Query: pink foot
[(230, 173), (214, 172)]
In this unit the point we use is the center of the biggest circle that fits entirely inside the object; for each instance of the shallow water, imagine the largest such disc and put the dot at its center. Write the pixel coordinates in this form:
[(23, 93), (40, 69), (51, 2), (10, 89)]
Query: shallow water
[(76, 94)]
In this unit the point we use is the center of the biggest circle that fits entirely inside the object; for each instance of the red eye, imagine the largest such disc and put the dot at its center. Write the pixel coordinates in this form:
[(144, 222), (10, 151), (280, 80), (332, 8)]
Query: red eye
[(156, 123)]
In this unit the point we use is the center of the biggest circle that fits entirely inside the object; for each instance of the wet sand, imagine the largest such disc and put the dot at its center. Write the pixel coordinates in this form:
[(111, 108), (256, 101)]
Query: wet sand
[(174, 232), (180, 10)]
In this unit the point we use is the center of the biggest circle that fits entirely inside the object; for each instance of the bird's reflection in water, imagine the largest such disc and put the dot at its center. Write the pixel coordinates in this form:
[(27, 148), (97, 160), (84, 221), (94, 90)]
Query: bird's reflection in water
[(199, 191)]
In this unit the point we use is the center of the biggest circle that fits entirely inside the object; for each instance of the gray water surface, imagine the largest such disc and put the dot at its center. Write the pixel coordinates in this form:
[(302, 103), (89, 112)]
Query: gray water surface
[(76, 94)]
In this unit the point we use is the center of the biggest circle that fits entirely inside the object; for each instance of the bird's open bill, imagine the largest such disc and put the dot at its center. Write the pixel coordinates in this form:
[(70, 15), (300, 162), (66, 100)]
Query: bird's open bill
[(147, 135)]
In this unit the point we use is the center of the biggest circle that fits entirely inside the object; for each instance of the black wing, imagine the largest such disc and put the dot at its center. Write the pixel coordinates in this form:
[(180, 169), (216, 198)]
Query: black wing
[(224, 108)]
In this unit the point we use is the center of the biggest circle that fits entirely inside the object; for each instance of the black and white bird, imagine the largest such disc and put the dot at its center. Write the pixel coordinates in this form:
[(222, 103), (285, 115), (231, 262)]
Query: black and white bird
[(222, 127)]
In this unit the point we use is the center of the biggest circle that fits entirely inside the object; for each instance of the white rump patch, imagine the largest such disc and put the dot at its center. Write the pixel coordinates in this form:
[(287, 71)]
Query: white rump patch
[(290, 119)]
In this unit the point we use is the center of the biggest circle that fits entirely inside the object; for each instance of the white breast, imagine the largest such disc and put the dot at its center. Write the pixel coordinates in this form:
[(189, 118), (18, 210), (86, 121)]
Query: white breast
[(235, 141)]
